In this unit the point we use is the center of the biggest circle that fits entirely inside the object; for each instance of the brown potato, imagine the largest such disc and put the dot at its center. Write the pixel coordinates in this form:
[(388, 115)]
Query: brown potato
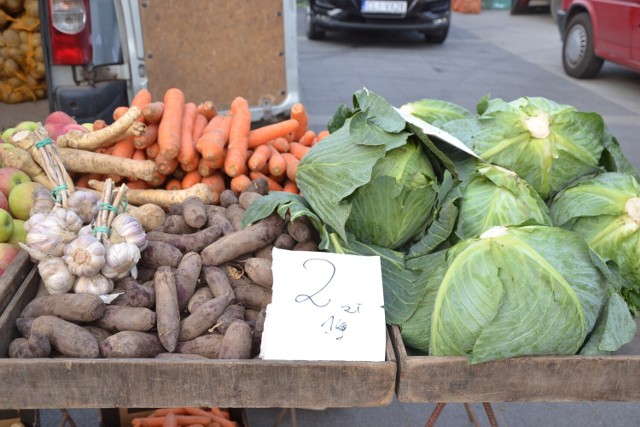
[(68, 338), (71, 307), (236, 343), (131, 344)]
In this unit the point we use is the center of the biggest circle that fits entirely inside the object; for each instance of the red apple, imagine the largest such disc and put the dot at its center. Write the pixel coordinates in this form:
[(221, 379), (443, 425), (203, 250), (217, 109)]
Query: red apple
[(59, 117), (10, 177), (7, 253)]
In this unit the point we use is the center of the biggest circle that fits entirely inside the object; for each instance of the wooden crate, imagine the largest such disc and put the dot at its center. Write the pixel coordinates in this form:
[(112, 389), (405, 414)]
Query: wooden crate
[(521, 379), (151, 383)]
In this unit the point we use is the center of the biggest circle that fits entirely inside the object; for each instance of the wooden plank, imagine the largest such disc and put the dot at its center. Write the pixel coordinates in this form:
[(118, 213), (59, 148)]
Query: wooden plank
[(215, 50), (525, 379), (151, 383), (12, 278), (24, 294)]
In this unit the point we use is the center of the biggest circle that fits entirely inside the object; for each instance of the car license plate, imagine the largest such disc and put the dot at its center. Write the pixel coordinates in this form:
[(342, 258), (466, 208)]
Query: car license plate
[(388, 7)]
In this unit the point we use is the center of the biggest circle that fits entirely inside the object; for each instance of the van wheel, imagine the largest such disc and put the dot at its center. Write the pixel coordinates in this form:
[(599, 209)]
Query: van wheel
[(313, 32), (578, 58)]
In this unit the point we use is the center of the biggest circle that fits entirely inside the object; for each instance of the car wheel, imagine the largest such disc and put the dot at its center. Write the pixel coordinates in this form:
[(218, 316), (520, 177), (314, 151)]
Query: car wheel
[(313, 32), (437, 37), (578, 58)]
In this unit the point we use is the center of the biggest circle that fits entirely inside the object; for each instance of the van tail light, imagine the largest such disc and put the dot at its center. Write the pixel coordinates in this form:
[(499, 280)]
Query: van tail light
[(70, 29)]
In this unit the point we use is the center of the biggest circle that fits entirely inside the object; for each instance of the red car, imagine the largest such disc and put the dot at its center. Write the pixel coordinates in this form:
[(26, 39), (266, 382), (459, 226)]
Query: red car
[(593, 31)]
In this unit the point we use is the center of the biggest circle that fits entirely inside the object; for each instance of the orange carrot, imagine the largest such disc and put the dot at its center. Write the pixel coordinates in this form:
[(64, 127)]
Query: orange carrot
[(157, 180), (165, 166), (123, 149), (205, 167), (198, 126), (207, 109), (235, 162), (191, 178), (281, 144), (299, 113), (187, 147), (290, 187), (215, 182), (152, 112), (307, 138), (149, 137), (99, 124), (119, 112), (259, 158), (272, 185), (323, 134), (139, 155), (138, 185), (83, 181), (181, 420), (173, 184), (277, 164), (170, 420), (221, 413), (161, 412), (140, 100), (214, 140), (192, 165), (298, 150), (239, 182), (292, 165), (169, 131), (267, 133), (152, 150)]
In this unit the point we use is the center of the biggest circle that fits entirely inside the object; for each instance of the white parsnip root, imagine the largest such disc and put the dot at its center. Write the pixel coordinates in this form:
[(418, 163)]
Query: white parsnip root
[(125, 126), (162, 198), (89, 162)]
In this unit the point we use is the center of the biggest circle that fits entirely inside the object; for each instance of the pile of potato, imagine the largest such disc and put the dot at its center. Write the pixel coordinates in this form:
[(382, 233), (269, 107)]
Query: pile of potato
[(22, 70), (202, 287)]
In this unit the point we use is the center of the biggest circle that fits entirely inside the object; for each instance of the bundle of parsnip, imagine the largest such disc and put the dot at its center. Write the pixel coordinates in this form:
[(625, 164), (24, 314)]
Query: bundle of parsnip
[(22, 71), (202, 288), (193, 144)]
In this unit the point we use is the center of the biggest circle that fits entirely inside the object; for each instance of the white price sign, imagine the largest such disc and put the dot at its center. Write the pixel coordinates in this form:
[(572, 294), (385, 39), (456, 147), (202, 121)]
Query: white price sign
[(325, 307)]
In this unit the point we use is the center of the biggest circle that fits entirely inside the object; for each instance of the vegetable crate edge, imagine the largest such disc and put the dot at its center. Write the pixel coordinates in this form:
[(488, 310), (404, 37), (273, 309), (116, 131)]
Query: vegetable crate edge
[(150, 383)]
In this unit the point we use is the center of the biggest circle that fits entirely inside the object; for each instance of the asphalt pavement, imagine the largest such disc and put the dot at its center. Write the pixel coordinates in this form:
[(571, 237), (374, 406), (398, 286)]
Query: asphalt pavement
[(492, 53)]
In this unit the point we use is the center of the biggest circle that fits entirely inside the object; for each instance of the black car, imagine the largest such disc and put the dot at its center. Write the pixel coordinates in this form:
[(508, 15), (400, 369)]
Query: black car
[(430, 17)]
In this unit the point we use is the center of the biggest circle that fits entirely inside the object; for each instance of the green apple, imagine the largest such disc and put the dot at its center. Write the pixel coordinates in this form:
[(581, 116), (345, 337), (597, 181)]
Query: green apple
[(10, 177), (21, 198), (19, 233), (7, 134), (27, 125), (6, 225), (89, 126)]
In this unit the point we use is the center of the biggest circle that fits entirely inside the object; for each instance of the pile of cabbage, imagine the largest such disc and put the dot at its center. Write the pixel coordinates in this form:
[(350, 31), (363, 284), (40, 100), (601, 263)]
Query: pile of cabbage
[(530, 247)]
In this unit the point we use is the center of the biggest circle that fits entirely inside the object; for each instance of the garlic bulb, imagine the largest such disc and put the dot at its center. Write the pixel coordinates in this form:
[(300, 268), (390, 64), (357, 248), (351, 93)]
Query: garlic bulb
[(71, 219), (85, 255), (97, 285), (41, 201), (87, 229), (56, 276), (126, 228), (48, 234), (85, 204), (34, 219), (120, 259)]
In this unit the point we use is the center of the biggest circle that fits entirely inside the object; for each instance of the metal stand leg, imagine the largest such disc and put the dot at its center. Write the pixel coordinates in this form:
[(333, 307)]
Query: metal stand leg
[(67, 419), (493, 422), (283, 413)]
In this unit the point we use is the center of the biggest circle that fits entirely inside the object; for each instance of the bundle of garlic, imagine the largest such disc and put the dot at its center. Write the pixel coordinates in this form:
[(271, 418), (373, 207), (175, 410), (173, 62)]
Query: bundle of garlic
[(86, 245)]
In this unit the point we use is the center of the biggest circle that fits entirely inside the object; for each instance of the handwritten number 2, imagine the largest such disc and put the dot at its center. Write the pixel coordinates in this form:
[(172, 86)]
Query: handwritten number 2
[(307, 297)]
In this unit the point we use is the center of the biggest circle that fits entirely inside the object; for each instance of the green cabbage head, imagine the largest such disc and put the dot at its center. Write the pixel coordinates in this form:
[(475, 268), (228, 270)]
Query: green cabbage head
[(514, 291), (605, 211)]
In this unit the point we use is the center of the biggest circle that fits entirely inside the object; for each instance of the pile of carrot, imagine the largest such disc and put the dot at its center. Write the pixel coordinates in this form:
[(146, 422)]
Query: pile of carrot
[(187, 416), (194, 143)]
